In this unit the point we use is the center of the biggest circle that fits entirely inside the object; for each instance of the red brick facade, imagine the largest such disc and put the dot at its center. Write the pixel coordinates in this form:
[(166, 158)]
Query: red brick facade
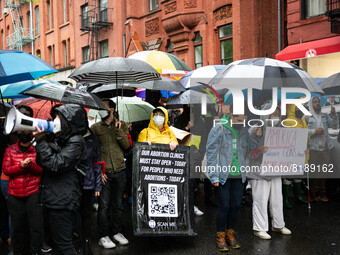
[(254, 23)]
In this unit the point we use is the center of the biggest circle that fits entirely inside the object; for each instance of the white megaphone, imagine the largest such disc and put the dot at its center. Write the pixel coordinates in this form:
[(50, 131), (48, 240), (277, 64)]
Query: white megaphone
[(15, 120)]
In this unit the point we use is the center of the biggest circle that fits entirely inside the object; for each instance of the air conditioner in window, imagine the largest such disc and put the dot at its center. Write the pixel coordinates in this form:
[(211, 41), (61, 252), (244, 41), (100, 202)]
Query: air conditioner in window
[(5, 10)]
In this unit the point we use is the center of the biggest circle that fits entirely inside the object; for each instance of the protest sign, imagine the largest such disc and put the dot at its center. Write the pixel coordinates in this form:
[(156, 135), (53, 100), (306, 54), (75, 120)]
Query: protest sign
[(286, 151), (162, 203)]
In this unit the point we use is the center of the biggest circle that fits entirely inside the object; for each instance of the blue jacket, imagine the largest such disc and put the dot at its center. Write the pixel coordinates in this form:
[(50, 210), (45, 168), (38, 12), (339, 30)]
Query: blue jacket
[(220, 153), (93, 178)]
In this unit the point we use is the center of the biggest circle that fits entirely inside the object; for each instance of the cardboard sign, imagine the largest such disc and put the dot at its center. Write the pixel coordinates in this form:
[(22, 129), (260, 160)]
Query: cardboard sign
[(162, 202), (286, 151)]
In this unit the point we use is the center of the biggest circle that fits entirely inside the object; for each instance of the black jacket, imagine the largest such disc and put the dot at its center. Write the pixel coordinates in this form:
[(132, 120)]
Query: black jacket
[(61, 159)]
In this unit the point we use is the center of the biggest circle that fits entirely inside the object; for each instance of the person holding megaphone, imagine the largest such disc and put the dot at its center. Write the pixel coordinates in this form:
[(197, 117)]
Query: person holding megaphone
[(63, 159), (23, 190)]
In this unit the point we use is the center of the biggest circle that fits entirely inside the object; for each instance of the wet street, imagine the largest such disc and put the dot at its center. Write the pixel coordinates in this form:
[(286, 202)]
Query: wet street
[(314, 232)]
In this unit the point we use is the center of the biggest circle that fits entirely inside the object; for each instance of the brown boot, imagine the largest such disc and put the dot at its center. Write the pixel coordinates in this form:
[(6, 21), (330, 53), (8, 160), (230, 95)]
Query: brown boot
[(231, 239), (220, 241)]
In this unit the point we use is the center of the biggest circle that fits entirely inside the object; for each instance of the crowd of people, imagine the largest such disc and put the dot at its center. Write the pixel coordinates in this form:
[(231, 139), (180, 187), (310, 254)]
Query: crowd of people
[(48, 178)]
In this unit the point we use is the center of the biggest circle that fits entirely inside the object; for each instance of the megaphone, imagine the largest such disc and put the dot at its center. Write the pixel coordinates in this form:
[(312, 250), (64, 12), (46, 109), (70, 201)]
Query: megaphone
[(15, 120)]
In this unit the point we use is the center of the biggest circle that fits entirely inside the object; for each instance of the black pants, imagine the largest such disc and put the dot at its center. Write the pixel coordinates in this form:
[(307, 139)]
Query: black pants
[(111, 198), (60, 223), (21, 210), (85, 212)]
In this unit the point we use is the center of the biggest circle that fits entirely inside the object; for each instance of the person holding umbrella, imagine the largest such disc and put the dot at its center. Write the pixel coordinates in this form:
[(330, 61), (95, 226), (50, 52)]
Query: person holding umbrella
[(63, 159)]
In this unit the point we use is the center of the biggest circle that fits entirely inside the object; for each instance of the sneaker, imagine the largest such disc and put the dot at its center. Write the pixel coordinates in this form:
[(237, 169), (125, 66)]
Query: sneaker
[(230, 237), (283, 231), (323, 197), (106, 242), (95, 206), (120, 238), (197, 211), (263, 235), (220, 241), (45, 248)]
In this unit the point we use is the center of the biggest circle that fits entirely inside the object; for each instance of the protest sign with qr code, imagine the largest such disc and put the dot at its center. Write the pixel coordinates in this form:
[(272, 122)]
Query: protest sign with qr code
[(162, 203)]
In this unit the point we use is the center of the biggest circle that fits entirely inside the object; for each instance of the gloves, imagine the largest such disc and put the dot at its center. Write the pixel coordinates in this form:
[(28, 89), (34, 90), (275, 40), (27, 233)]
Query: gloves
[(41, 136)]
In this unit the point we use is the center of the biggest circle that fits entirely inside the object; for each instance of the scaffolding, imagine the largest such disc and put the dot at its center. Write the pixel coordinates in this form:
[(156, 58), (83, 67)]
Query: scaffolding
[(20, 35), (93, 19)]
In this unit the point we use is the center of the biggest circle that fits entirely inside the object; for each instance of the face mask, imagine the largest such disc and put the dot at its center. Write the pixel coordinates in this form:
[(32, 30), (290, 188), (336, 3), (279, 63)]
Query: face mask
[(158, 120), (25, 137), (57, 126), (274, 120)]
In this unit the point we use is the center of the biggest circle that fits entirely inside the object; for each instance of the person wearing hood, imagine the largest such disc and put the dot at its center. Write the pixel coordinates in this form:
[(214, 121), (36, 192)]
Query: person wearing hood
[(319, 145), (111, 133), (23, 190), (226, 160), (266, 190), (158, 130), (294, 120), (63, 159)]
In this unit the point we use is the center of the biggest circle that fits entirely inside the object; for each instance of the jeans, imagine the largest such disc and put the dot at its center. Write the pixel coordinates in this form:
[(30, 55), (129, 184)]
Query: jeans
[(85, 212), (3, 218), (110, 204), (23, 209), (229, 198), (60, 223)]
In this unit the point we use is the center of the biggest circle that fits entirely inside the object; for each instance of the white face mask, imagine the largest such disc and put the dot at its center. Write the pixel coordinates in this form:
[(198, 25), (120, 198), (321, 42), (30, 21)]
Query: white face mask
[(57, 125), (158, 120)]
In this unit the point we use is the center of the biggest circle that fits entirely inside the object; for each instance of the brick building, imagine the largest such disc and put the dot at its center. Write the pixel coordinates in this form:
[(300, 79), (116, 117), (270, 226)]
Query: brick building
[(313, 34), (71, 32)]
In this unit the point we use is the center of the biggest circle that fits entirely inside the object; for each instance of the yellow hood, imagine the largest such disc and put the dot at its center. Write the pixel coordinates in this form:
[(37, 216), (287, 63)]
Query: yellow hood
[(153, 125)]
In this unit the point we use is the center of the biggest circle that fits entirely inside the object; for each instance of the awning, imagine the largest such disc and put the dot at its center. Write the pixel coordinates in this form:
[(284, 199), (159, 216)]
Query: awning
[(310, 49)]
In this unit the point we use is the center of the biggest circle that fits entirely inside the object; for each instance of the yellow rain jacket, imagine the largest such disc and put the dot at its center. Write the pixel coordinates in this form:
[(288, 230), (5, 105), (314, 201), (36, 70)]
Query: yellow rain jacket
[(153, 134), (300, 122)]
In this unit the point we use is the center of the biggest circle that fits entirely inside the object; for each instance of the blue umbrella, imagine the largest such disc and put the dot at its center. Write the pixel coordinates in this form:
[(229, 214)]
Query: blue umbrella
[(18, 66), (13, 90)]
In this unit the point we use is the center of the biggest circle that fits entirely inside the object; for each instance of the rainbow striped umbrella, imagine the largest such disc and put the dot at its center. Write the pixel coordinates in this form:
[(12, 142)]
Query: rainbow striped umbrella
[(163, 62)]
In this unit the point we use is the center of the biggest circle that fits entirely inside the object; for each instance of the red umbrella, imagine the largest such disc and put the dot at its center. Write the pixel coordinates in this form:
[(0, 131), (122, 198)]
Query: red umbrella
[(41, 108)]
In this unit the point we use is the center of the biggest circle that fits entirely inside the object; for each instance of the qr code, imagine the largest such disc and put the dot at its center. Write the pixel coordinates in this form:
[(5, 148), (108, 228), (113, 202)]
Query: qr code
[(162, 200)]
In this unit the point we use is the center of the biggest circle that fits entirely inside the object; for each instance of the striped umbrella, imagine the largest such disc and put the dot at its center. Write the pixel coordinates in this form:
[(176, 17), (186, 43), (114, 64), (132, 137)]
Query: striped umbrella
[(203, 74), (263, 74), (163, 62)]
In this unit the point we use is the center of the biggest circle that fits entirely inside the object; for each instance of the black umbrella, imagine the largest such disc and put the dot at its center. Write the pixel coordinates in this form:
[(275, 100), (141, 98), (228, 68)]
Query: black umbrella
[(115, 70), (65, 94), (331, 86), (163, 84)]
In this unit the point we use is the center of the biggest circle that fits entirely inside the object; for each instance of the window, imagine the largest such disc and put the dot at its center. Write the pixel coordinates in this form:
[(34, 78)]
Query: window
[(153, 5), (104, 49), (169, 46), (65, 53), (29, 21), (225, 34), (103, 10), (37, 21), (65, 10), (3, 39), (50, 53), (86, 54), (50, 14), (85, 16), (198, 50), (38, 53), (313, 8)]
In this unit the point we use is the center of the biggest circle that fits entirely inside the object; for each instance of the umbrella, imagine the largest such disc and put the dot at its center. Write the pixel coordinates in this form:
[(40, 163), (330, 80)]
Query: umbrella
[(132, 109), (18, 66), (202, 74), (115, 70), (4, 109), (41, 108), (162, 84), (13, 90), (263, 74), (331, 85), (190, 97), (65, 94), (163, 62)]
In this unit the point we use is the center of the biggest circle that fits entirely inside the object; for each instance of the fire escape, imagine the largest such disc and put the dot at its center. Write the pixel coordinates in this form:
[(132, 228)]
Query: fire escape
[(333, 13), (20, 35), (95, 17)]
